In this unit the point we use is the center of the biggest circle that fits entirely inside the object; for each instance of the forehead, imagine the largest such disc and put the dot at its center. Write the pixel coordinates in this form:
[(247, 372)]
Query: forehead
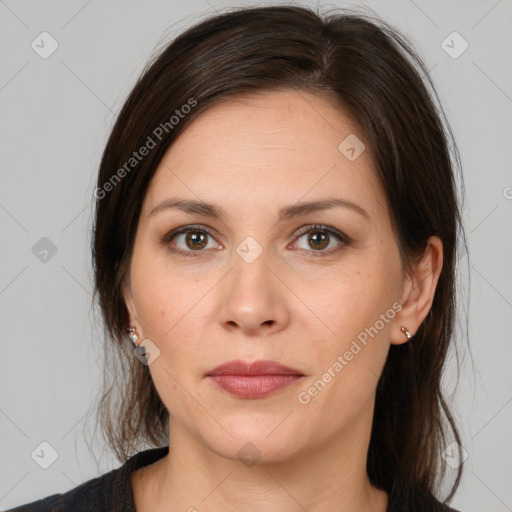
[(265, 149)]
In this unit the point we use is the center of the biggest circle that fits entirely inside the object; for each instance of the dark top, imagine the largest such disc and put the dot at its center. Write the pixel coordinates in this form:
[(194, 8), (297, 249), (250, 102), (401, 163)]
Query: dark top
[(112, 492)]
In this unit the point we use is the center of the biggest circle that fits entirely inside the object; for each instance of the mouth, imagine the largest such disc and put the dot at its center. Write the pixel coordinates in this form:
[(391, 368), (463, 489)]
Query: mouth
[(253, 380)]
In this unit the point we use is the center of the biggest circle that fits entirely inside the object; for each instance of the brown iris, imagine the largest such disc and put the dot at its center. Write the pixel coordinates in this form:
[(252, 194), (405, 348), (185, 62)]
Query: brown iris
[(318, 243), (196, 237)]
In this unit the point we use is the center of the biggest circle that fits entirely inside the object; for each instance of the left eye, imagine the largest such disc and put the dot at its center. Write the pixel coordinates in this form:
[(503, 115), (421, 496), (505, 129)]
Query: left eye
[(319, 237)]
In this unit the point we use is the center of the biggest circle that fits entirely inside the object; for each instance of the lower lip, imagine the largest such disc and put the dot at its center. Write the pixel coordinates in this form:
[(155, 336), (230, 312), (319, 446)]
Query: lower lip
[(254, 386)]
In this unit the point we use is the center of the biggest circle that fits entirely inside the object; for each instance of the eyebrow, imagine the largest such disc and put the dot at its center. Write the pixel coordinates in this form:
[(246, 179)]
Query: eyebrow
[(287, 212)]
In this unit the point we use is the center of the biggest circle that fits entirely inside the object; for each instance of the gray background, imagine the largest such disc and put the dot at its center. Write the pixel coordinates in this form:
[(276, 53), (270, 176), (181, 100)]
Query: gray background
[(55, 117)]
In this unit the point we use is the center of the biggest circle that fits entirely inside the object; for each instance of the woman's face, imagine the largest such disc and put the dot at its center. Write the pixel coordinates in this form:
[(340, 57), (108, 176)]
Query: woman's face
[(258, 284)]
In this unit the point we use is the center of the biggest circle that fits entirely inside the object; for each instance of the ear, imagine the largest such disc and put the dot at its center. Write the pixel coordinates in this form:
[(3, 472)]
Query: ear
[(127, 294), (418, 291)]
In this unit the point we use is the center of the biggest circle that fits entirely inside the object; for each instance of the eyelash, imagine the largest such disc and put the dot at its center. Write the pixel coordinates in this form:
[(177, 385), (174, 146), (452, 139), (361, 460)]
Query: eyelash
[(169, 237)]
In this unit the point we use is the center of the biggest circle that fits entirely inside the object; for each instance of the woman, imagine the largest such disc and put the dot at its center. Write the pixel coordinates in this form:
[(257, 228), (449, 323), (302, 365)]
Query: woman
[(276, 227)]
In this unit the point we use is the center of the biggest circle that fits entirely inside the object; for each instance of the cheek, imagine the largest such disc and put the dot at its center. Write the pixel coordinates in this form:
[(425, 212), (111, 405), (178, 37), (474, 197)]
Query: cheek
[(347, 302), (170, 311), (164, 295), (172, 307), (356, 309)]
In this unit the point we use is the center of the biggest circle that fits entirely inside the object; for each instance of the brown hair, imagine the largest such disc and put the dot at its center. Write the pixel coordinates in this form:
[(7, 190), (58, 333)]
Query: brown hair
[(367, 67)]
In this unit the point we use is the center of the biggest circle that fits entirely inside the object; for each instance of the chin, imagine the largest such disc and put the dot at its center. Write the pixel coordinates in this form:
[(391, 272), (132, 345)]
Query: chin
[(255, 450), (251, 444)]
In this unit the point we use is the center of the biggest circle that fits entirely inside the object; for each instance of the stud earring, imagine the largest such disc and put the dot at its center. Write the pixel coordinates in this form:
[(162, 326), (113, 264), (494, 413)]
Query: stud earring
[(132, 335), (406, 332)]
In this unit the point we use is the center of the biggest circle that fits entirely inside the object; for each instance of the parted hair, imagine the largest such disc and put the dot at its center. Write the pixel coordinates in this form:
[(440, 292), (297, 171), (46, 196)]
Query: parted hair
[(368, 68)]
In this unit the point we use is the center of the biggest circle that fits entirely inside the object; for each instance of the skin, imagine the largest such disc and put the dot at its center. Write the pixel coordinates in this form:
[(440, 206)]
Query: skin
[(251, 156)]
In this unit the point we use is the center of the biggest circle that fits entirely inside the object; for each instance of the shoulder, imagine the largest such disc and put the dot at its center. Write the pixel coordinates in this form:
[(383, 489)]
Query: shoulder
[(80, 499), (109, 492), (45, 505), (87, 496)]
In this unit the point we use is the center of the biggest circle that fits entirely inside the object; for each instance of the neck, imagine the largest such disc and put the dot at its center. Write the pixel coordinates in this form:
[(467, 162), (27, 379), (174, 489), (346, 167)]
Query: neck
[(192, 477)]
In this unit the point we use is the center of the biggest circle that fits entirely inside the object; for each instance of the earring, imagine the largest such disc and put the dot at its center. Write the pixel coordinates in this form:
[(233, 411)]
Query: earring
[(132, 335), (406, 332)]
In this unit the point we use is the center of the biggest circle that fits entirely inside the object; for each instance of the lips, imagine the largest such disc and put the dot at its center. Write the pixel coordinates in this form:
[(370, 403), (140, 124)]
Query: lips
[(253, 380), (239, 367)]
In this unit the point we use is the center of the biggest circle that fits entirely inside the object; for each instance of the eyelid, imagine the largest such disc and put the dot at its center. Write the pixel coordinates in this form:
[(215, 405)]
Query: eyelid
[(166, 240), (322, 227), (344, 239)]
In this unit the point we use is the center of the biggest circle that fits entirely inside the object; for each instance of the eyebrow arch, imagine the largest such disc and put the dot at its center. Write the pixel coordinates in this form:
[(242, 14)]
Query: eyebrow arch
[(285, 213)]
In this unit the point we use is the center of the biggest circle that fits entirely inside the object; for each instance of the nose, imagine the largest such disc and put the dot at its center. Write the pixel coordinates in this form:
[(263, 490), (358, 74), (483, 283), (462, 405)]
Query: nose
[(253, 300)]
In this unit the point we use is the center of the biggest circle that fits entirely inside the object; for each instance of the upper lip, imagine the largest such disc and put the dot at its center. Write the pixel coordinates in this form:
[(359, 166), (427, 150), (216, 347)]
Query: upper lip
[(238, 367)]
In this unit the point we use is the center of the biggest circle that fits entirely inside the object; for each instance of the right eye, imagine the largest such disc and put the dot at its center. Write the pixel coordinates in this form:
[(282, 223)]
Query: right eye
[(193, 239)]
